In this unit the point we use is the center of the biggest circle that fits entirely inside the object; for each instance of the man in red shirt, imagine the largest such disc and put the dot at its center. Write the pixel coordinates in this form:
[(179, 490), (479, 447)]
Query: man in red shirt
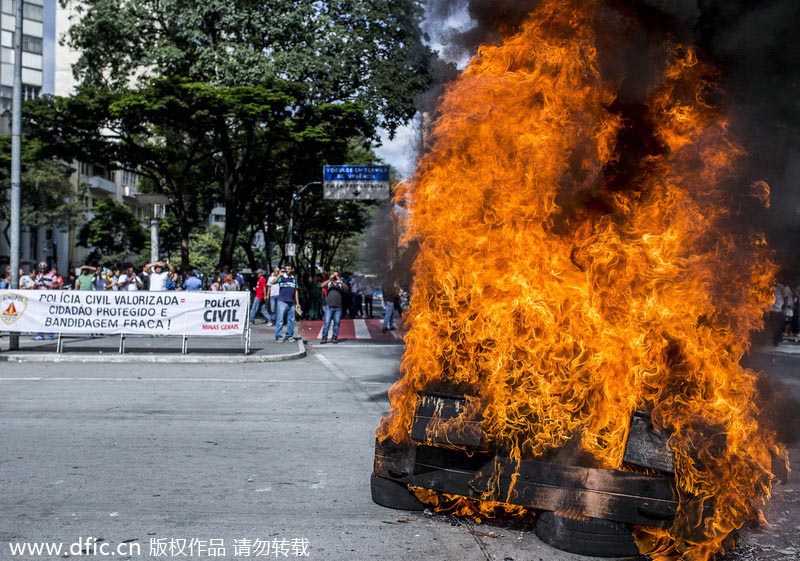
[(259, 302)]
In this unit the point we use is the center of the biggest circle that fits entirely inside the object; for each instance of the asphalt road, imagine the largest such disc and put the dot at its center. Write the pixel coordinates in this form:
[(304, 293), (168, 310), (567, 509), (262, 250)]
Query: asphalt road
[(189, 461)]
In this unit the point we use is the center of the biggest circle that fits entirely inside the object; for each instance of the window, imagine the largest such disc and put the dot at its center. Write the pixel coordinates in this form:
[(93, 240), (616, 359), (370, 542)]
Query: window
[(32, 44), (30, 92), (7, 56), (129, 178), (33, 12)]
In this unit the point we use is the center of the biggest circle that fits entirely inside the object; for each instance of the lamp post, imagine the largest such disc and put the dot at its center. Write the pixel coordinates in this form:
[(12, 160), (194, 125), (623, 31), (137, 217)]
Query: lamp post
[(159, 202), (16, 162), (290, 245)]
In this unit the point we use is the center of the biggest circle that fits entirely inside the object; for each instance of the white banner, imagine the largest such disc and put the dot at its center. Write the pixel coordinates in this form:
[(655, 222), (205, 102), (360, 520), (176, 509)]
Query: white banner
[(110, 313)]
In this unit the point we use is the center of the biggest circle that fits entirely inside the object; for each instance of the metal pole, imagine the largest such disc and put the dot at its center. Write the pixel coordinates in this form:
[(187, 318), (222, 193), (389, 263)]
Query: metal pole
[(153, 240), (16, 160), (291, 216), (154, 249)]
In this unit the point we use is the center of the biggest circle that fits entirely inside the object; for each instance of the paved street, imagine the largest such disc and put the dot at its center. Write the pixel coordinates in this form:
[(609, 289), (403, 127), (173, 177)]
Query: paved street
[(233, 452)]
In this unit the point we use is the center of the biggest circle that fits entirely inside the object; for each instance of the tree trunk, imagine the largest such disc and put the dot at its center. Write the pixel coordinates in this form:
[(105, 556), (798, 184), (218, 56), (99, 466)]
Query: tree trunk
[(251, 256), (183, 225), (182, 213), (269, 234), (231, 221)]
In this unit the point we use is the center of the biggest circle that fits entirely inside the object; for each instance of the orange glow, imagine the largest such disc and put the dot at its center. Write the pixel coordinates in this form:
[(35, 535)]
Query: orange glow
[(564, 301), (469, 508)]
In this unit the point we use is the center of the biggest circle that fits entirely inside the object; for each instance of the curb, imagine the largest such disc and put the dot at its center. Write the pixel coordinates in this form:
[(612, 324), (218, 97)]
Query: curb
[(9, 356)]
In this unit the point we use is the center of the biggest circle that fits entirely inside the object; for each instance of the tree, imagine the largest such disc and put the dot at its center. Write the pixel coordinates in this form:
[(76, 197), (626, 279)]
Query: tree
[(361, 59), (114, 233), (47, 196), (365, 51), (199, 143), (148, 131)]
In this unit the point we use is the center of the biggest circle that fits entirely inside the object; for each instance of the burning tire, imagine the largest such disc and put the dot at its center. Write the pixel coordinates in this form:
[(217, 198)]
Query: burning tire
[(391, 494), (592, 536)]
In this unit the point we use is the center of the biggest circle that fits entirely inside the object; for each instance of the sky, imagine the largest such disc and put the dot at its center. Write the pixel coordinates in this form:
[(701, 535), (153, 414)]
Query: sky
[(399, 152)]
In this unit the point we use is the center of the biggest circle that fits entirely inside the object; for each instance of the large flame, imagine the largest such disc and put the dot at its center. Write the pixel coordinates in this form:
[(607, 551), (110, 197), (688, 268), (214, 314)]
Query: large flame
[(567, 282)]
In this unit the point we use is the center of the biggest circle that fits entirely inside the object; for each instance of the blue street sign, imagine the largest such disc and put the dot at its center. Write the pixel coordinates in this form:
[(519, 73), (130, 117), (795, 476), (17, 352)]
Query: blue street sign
[(355, 173), (356, 182)]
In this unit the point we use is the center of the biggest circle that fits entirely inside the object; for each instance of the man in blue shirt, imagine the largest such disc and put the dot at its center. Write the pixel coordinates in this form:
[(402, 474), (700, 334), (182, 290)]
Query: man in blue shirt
[(288, 300), (192, 282)]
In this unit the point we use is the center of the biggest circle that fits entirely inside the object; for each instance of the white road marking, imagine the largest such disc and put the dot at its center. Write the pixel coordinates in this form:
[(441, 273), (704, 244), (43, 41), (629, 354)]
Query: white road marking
[(351, 384), (361, 329), (349, 345), (229, 380)]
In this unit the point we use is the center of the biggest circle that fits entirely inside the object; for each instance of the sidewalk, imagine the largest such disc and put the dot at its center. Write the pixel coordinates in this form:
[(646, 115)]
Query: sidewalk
[(156, 349)]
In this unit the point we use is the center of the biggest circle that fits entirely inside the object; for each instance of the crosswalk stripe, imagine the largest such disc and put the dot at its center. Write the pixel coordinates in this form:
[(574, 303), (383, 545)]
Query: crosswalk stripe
[(358, 329), (361, 329)]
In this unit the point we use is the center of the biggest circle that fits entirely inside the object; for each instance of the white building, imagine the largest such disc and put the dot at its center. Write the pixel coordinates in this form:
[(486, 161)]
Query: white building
[(38, 50), (38, 77), (47, 69)]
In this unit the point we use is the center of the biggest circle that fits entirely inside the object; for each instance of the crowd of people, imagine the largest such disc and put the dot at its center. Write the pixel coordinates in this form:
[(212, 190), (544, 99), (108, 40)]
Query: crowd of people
[(785, 312), (279, 297), (157, 276)]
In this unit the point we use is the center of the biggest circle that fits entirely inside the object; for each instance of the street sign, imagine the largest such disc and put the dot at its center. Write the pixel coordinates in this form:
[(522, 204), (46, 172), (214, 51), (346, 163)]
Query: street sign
[(290, 249), (356, 182)]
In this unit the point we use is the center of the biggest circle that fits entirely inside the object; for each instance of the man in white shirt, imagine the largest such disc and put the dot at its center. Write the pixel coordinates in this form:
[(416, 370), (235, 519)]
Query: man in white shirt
[(274, 291), (130, 281), (27, 282), (157, 275)]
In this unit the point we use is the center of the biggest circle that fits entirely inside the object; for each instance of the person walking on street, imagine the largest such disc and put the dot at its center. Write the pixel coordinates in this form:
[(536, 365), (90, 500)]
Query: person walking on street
[(334, 297), (274, 292), (288, 302), (259, 302), (391, 302), (369, 293), (315, 301), (355, 289), (347, 297)]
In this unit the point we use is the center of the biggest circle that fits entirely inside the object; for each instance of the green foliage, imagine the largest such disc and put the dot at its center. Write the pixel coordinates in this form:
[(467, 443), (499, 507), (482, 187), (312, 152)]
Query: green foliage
[(366, 51), (238, 102), (46, 195), (245, 146), (205, 246), (114, 233)]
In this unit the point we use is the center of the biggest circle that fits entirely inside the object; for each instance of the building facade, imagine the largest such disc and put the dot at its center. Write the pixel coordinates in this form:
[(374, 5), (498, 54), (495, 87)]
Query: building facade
[(47, 70)]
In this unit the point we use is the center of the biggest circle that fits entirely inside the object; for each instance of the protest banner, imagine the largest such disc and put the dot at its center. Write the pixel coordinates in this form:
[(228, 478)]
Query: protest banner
[(133, 313)]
